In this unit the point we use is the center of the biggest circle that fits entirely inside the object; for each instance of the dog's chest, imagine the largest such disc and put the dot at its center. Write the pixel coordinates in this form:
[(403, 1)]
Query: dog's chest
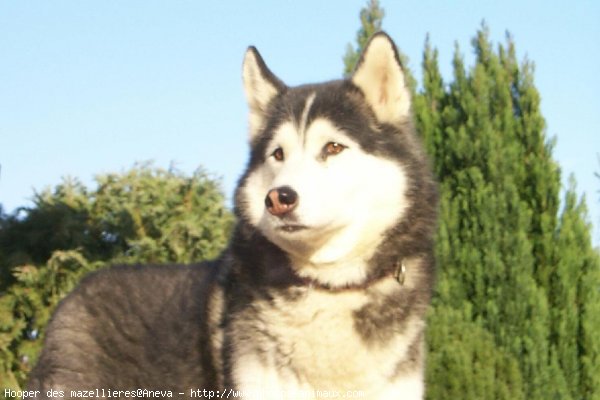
[(316, 336)]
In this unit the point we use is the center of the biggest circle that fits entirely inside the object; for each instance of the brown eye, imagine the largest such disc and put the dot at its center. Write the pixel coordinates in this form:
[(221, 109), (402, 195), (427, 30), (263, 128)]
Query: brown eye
[(278, 154), (333, 148)]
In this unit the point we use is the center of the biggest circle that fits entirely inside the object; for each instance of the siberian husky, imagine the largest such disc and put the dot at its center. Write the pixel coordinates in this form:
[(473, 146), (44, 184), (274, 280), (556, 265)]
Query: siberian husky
[(324, 287)]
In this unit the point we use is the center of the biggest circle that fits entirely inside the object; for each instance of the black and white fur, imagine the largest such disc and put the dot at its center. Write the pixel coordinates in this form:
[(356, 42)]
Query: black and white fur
[(327, 278)]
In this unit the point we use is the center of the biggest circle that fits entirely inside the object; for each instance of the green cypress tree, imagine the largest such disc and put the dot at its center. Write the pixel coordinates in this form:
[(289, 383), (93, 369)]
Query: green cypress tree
[(499, 251), (431, 102), (464, 361), (487, 267)]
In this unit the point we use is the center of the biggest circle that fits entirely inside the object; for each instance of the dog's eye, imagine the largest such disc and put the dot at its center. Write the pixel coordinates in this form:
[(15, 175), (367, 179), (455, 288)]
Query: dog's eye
[(278, 154), (333, 148)]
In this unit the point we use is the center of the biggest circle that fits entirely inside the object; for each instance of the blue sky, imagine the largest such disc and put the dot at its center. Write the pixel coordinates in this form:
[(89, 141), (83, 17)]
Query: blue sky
[(88, 87)]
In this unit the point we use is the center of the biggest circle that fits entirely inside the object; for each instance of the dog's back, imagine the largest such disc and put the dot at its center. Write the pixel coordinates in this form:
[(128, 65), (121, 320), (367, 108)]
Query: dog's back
[(130, 328)]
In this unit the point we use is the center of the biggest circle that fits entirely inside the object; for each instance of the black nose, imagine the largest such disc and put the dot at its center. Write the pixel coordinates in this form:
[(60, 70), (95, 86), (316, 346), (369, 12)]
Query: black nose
[(281, 200)]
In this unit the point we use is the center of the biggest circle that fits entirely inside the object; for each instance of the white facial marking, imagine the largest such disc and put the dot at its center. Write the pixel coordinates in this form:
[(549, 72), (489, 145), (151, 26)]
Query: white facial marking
[(309, 101), (345, 201)]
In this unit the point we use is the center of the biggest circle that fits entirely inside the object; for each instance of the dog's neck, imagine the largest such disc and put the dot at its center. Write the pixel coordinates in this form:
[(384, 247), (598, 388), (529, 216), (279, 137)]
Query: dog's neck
[(397, 272), (281, 270)]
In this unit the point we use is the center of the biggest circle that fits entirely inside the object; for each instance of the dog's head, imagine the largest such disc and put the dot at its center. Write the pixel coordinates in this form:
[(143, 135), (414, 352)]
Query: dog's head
[(328, 175)]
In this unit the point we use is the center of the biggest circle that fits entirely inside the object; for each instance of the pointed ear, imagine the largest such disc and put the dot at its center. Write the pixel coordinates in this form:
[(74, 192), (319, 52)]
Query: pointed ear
[(379, 76), (261, 86)]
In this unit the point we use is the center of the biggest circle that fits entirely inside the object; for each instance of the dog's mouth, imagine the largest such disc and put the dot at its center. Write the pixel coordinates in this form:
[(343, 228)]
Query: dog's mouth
[(292, 228)]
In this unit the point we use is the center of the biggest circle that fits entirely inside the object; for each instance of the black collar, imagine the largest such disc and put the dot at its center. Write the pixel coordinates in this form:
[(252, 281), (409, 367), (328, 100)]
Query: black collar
[(398, 272)]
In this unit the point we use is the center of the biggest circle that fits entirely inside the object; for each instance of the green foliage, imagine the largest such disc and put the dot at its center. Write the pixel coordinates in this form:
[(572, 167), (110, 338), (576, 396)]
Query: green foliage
[(143, 215), (27, 306), (155, 216), (493, 373), (510, 274)]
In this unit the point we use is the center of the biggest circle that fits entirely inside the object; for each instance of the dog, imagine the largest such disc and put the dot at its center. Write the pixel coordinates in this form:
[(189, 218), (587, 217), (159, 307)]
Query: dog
[(324, 286)]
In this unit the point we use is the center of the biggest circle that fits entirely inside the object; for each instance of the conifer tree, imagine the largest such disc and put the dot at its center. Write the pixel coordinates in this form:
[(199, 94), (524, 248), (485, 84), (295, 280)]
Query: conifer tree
[(487, 266), (497, 245)]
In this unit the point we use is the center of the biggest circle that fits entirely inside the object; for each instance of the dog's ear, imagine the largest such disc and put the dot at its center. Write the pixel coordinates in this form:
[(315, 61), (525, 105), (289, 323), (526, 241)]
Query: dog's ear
[(379, 76), (261, 86)]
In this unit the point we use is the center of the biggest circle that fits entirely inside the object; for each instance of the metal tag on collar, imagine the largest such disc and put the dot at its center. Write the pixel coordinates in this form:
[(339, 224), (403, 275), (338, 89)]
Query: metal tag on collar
[(400, 272)]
